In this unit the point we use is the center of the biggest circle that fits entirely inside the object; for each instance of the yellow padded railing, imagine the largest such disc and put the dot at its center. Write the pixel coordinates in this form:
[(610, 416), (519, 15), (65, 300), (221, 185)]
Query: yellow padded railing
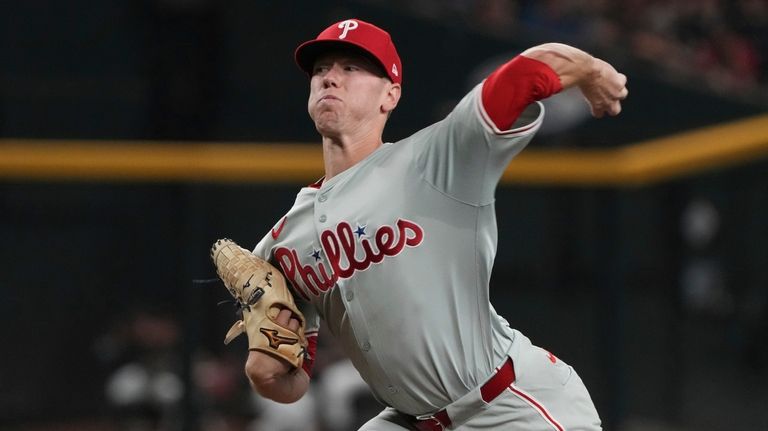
[(637, 164), (646, 162)]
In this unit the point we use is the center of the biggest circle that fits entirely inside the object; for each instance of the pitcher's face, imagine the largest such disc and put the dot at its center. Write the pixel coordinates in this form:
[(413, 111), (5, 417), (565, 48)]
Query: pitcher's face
[(348, 92)]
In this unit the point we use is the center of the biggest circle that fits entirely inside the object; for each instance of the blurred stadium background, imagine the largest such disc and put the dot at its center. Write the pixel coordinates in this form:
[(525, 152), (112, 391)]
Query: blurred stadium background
[(636, 248)]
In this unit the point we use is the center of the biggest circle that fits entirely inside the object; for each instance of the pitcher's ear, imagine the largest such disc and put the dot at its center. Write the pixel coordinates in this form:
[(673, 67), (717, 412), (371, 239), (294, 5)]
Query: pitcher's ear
[(392, 98)]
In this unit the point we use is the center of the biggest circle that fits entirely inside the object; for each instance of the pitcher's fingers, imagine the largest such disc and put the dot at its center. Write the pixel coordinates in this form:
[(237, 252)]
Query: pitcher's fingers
[(624, 93), (284, 317), (614, 109), (623, 79), (294, 324)]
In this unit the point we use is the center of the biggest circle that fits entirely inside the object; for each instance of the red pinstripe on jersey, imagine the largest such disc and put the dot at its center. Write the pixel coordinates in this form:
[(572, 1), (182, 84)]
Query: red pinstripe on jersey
[(537, 406)]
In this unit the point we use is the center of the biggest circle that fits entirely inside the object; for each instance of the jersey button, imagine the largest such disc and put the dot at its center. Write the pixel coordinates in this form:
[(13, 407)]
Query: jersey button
[(322, 198), (349, 295), (392, 389), (323, 218), (366, 346)]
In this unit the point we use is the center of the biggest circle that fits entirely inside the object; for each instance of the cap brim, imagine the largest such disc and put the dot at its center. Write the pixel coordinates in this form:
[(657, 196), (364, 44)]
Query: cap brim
[(309, 51)]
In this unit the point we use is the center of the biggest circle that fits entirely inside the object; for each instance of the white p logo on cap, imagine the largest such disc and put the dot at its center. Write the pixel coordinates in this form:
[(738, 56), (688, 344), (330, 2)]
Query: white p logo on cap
[(347, 25)]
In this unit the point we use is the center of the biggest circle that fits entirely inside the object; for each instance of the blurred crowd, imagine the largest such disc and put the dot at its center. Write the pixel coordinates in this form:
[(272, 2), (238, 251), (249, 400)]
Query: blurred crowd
[(146, 387), (717, 45)]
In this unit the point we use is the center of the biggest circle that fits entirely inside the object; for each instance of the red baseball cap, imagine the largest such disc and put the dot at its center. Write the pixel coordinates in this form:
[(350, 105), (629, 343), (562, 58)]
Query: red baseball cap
[(356, 33)]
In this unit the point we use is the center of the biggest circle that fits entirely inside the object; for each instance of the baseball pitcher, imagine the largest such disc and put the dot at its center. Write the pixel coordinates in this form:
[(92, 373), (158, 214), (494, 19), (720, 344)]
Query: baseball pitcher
[(393, 248)]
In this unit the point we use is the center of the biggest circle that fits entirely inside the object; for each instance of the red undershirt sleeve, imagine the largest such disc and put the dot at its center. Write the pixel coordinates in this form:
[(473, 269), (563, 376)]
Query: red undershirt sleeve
[(309, 362), (515, 85)]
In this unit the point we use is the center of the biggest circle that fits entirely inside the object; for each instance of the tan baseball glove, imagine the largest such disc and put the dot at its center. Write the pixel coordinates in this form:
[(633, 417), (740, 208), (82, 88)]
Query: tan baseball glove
[(260, 291)]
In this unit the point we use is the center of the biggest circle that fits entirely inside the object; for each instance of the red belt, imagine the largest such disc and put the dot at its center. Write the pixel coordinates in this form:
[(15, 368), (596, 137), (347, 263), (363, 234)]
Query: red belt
[(491, 389)]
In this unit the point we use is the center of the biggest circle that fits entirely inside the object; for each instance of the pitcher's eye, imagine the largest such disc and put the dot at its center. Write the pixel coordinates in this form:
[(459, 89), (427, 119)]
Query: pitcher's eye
[(320, 68)]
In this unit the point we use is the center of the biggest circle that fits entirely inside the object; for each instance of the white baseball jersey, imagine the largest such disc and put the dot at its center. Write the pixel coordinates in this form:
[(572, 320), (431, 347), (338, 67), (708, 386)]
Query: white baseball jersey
[(395, 255)]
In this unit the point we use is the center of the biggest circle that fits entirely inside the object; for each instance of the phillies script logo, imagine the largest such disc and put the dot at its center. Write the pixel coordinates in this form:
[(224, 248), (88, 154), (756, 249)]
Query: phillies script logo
[(346, 254)]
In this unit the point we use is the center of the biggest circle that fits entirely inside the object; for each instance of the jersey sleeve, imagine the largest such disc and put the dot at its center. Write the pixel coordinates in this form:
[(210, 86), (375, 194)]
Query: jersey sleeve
[(311, 316), (465, 154)]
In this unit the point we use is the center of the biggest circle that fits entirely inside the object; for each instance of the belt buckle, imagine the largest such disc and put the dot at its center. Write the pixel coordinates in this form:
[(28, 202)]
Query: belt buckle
[(429, 423)]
